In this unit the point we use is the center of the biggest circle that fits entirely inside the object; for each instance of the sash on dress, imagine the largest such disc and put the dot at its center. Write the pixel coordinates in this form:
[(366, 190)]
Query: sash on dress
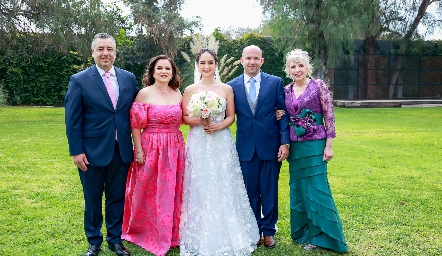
[(306, 123)]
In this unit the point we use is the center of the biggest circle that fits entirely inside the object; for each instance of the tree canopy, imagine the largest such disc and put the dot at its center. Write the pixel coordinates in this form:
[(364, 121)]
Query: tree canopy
[(39, 37), (321, 27), (325, 28), (160, 21), (63, 23)]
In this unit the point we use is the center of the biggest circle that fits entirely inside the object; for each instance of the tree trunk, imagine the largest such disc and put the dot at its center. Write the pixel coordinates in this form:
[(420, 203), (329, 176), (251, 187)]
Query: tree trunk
[(320, 51), (405, 40), (322, 72)]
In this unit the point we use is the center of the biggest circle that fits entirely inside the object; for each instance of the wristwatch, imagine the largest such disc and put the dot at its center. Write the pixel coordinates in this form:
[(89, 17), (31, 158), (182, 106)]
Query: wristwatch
[(288, 145)]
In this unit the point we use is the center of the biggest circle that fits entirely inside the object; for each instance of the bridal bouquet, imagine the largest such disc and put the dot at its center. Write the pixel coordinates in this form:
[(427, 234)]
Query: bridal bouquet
[(203, 104)]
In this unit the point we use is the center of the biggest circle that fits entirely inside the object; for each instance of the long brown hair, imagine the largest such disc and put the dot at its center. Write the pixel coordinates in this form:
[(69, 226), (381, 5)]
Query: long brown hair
[(148, 78)]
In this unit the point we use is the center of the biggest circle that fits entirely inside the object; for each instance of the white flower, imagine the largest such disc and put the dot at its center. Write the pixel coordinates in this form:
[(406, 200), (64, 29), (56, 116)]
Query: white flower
[(203, 104)]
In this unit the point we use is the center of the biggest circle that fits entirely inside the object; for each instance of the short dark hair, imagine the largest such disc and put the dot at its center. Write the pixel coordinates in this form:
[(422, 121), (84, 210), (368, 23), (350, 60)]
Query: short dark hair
[(148, 78), (102, 36)]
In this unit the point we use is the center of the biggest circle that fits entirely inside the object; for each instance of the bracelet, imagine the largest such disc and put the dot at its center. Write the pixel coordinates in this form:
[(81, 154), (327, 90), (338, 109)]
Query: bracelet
[(141, 151)]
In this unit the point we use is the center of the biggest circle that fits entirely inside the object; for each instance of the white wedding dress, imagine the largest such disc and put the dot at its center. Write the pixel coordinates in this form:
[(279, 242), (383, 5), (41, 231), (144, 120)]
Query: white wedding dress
[(216, 215)]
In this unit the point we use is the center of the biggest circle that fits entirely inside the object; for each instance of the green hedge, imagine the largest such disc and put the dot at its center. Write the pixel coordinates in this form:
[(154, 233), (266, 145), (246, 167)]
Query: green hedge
[(39, 79), (39, 76)]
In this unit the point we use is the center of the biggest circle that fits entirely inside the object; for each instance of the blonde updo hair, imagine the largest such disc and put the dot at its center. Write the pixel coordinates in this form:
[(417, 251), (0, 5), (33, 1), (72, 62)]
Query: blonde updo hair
[(297, 56)]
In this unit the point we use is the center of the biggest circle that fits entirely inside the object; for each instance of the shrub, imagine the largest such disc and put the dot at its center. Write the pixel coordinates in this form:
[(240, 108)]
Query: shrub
[(3, 96)]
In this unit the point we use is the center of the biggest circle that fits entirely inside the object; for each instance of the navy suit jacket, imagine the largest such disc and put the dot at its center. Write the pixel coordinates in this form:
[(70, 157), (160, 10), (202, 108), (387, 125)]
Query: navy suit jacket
[(91, 120), (260, 130)]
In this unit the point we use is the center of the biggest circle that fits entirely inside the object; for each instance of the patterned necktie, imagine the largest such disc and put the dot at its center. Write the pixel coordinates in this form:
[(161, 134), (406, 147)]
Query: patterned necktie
[(110, 89), (252, 90)]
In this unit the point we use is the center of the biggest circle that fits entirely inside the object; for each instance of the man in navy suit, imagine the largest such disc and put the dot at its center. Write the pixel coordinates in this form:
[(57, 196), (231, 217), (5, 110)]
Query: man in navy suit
[(262, 141), (97, 106)]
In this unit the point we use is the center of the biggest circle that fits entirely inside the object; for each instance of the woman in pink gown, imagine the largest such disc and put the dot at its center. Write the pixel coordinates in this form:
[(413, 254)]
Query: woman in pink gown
[(155, 180)]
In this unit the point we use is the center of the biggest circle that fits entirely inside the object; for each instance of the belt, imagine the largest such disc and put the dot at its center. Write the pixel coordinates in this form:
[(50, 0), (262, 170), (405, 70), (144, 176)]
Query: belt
[(306, 123)]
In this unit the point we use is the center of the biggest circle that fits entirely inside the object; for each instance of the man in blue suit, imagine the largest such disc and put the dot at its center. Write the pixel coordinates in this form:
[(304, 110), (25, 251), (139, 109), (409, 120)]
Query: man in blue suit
[(262, 141), (97, 106)]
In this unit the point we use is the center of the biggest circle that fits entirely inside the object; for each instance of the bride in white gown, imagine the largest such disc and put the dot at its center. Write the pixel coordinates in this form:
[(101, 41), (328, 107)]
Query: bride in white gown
[(216, 215)]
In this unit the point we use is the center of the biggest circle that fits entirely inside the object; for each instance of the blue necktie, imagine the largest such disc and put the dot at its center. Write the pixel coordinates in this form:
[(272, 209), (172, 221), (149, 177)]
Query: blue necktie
[(252, 90)]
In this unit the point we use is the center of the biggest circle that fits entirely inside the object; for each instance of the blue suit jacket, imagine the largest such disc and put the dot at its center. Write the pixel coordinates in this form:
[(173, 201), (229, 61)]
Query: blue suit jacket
[(260, 130), (91, 120)]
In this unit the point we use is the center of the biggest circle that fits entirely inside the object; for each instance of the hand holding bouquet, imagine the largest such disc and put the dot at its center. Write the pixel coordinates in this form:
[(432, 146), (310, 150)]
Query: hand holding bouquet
[(203, 104)]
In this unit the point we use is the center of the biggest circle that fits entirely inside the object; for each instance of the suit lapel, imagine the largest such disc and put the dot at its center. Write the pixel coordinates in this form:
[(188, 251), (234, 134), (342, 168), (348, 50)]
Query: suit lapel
[(99, 81), (121, 86), (263, 88), (240, 93)]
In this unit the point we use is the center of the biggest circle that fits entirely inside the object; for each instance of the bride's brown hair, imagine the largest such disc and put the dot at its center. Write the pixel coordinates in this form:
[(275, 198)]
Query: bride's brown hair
[(203, 50)]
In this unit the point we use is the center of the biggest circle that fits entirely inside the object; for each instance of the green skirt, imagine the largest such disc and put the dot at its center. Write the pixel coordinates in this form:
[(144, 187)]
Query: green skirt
[(314, 218)]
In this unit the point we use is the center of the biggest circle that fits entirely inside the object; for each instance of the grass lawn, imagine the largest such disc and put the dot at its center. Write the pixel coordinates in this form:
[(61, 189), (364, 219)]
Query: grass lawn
[(385, 178)]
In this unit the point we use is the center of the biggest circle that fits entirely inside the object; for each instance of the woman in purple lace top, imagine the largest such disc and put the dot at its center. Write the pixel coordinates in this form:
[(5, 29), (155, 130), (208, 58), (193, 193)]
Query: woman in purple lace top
[(314, 219)]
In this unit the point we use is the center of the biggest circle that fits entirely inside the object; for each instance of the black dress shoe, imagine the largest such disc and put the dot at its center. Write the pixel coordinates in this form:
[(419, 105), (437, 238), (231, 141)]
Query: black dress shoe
[(93, 250), (119, 249)]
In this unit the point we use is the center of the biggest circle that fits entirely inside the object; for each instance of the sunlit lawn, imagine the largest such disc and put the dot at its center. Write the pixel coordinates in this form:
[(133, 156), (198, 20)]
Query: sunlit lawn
[(385, 177)]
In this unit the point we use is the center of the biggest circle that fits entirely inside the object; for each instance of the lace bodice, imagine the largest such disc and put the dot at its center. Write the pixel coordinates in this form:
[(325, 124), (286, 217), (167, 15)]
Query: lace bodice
[(219, 117), (316, 97)]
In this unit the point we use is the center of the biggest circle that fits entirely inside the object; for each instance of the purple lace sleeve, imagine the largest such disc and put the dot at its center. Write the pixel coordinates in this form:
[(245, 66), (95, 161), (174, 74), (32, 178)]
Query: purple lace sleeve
[(327, 108)]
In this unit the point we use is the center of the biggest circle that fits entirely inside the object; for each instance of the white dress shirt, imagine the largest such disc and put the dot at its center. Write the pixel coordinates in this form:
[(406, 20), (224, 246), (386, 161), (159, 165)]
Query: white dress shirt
[(113, 79), (257, 83)]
